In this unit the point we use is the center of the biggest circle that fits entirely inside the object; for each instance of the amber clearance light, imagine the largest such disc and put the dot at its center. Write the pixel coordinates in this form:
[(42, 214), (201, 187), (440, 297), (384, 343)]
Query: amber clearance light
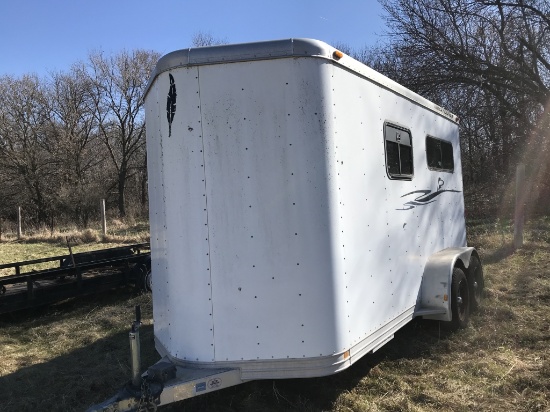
[(337, 54)]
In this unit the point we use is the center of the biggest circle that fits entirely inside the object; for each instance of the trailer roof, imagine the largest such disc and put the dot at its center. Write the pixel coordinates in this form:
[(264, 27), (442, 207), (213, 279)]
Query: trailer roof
[(277, 49)]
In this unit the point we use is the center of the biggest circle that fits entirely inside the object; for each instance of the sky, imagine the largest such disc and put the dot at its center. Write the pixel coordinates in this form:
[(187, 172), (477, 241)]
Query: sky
[(46, 36)]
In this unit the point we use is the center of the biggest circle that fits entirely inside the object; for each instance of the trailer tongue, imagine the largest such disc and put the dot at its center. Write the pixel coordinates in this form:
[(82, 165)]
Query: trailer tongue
[(164, 382), (175, 384)]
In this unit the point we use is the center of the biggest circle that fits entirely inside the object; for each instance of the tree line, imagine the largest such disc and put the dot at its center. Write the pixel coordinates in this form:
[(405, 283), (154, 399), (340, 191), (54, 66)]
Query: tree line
[(75, 137), (68, 140), (488, 61)]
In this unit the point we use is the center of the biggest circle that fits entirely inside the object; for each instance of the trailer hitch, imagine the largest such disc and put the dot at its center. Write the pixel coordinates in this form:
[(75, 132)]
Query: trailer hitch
[(141, 393)]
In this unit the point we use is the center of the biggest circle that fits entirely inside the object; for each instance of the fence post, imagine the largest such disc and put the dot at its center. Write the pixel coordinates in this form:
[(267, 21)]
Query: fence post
[(103, 217), (519, 215), (19, 232)]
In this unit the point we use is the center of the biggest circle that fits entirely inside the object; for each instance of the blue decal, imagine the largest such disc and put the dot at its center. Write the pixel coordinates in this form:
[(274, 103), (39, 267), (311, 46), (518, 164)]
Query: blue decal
[(199, 387)]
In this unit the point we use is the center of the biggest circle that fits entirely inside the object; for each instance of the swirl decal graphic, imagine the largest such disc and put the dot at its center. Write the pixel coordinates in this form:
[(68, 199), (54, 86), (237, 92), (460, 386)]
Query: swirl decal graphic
[(171, 104), (425, 197)]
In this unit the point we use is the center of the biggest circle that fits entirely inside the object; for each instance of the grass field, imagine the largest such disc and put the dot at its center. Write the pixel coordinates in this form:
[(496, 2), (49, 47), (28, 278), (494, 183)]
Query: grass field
[(68, 356), (42, 243)]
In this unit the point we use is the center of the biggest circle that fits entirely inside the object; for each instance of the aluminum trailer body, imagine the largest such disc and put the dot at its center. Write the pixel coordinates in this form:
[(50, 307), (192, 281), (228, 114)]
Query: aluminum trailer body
[(303, 208)]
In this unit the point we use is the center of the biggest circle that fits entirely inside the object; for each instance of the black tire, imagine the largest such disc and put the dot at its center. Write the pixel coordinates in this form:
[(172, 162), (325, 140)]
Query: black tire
[(476, 281), (460, 300), (144, 277), (148, 283)]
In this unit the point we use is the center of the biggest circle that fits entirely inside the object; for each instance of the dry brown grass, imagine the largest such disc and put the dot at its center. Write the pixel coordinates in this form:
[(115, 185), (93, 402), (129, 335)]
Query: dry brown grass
[(122, 232), (55, 359), (42, 243), (73, 354)]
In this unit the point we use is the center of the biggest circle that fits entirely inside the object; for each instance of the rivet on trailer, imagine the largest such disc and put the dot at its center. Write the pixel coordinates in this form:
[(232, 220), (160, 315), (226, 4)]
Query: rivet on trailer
[(303, 208)]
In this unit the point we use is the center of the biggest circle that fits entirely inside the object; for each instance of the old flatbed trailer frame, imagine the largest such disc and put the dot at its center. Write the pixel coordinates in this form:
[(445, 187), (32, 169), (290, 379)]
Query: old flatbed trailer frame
[(78, 274)]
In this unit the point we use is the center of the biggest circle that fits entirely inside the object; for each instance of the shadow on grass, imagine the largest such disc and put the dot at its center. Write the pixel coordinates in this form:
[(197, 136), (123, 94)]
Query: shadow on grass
[(78, 378), (68, 308), (70, 382), (508, 250), (499, 254), (415, 340), (530, 285), (96, 371)]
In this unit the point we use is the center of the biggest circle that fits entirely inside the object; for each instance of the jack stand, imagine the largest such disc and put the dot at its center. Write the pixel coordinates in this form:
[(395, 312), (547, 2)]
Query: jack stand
[(140, 392), (135, 349)]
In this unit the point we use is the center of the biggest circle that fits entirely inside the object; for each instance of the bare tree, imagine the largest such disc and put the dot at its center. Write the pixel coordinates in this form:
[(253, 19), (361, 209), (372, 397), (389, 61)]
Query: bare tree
[(501, 48), (203, 39), (25, 147), (486, 60), (492, 44), (78, 152), (119, 82)]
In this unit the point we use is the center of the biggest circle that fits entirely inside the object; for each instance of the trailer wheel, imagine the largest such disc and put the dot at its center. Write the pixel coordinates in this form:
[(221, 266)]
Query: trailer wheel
[(148, 283), (460, 300), (145, 278), (476, 282)]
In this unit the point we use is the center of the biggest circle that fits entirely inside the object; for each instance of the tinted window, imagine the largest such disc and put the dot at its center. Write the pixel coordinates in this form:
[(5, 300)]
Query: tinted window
[(439, 154), (392, 158), (433, 153), (399, 156), (405, 153), (447, 159)]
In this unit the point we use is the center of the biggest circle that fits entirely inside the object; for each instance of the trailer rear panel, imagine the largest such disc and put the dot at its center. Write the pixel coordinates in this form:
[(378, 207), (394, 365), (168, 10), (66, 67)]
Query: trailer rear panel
[(292, 207)]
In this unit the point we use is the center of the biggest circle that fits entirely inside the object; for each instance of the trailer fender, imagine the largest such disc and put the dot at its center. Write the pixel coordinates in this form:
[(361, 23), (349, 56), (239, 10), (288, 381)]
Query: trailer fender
[(434, 301)]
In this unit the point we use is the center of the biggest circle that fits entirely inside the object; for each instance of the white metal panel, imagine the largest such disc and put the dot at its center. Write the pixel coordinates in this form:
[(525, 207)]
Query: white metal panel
[(286, 48), (369, 234), (431, 203), (445, 209), (157, 216), (264, 131), (181, 286), (384, 243), (276, 232), (359, 214)]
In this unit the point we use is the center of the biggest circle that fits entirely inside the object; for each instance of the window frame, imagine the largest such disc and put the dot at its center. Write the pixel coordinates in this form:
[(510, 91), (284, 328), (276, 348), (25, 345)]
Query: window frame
[(440, 169), (398, 176)]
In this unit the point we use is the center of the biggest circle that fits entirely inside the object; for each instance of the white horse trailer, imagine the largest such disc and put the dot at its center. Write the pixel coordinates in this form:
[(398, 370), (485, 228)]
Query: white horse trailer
[(303, 208)]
